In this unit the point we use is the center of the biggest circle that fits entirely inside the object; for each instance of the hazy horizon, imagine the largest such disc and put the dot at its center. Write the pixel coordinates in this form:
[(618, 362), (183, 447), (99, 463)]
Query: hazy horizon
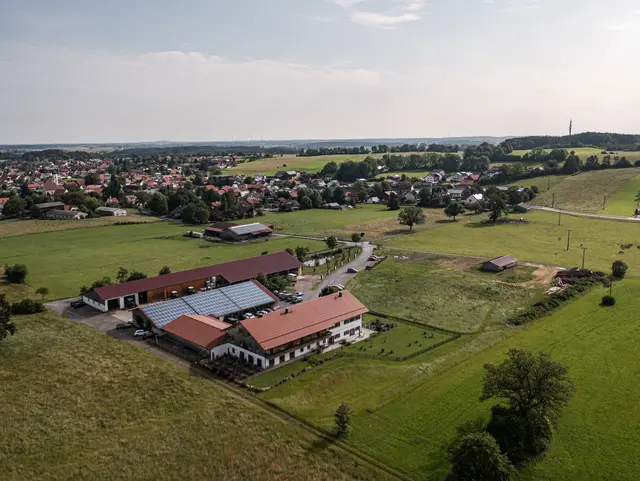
[(129, 71)]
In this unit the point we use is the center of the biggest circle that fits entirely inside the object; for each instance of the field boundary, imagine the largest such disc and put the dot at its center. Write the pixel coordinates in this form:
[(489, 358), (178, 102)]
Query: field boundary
[(377, 357), (417, 324)]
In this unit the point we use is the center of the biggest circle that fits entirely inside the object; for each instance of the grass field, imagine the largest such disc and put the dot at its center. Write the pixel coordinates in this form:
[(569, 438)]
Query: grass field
[(624, 201), (586, 192), (544, 183), (539, 239), (292, 162), (65, 260), (80, 405), (9, 228), (584, 152), (409, 422), (374, 220), (447, 293)]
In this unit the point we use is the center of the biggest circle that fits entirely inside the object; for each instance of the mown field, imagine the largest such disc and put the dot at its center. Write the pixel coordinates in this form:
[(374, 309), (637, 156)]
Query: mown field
[(587, 191), (406, 414), (10, 228), (539, 239), (65, 260), (624, 200), (584, 152), (544, 183), (80, 405), (374, 220), (292, 162), (447, 293)]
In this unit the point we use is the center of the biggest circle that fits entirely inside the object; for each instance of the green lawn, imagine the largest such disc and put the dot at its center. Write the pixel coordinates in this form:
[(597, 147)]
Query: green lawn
[(587, 191), (269, 378), (402, 340), (65, 260), (584, 152), (543, 183), (624, 201), (374, 220), (77, 404), (406, 414), (538, 240), (291, 162), (438, 293)]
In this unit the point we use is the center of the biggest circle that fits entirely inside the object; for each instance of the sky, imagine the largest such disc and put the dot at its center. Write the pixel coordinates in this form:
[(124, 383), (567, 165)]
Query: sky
[(205, 70)]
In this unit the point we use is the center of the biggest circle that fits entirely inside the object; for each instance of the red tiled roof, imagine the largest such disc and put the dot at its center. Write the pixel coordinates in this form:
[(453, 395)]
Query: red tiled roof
[(220, 226), (234, 271), (202, 331), (3, 200), (305, 319)]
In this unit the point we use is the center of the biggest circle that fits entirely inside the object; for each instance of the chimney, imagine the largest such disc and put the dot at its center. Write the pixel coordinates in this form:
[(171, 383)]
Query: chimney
[(340, 294), (286, 310)]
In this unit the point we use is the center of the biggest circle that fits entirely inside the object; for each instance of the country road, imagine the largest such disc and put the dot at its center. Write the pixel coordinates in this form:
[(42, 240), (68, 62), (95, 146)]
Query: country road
[(581, 214)]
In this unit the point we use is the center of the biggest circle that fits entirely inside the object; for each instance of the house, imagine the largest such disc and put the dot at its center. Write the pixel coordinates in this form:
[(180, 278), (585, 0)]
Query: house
[(288, 334), (158, 288), (499, 264), (3, 201), (455, 194), (111, 211), (472, 199), (372, 200), (39, 211), (198, 333), (409, 198), (60, 214), (282, 175)]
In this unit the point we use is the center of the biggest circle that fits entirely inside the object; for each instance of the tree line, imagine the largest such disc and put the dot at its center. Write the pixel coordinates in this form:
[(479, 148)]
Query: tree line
[(604, 140), (378, 149)]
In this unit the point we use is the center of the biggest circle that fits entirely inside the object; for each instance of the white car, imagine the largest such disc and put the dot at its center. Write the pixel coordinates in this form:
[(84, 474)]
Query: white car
[(140, 333), (340, 287), (248, 315)]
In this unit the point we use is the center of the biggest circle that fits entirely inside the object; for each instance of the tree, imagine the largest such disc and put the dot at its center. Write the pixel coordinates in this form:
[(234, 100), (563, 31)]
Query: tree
[(497, 207), (343, 419), (477, 457), (136, 276), (122, 275), (301, 252), (6, 326), (355, 237), (290, 251), (393, 203), (454, 209), (331, 242), (306, 203), (91, 179), (165, 270), (411, 216), (14, 206), (43, 291), (529, 382), (16, 274), (158, 204), (619, 269)]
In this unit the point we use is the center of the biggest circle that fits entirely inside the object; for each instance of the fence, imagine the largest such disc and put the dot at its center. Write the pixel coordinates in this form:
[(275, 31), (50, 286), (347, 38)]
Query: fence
[(414, 323), (401, 358)]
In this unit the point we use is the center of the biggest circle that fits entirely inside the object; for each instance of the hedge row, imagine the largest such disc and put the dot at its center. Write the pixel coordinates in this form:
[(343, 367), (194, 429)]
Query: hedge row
[(551, 303), (26, 306)]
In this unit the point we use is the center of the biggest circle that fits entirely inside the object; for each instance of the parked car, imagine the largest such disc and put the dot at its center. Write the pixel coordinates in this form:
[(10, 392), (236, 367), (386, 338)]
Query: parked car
[(77, 304), (351, 270), (268, 310), (124, 325), (140, 333), (340, 287), (147, 335), (248, 315), (299, 294), (296, 300), (373, 258)]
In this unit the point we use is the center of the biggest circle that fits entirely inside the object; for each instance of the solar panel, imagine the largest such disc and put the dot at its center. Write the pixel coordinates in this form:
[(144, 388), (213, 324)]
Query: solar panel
[(218, 302)]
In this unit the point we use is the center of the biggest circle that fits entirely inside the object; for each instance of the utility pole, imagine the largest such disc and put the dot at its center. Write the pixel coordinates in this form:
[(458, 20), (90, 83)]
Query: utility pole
[(559, 212), (570, 128), (604, 202), (569, 238), (553, 198), (584, 250), (549, 183)]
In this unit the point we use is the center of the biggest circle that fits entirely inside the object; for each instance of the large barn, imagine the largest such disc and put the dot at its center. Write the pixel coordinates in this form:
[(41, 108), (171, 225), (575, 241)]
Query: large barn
[(153, 289)]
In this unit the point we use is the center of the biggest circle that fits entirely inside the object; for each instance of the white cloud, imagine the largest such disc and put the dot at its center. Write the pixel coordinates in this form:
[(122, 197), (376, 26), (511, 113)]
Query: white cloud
[(321, 18), (397, 13)]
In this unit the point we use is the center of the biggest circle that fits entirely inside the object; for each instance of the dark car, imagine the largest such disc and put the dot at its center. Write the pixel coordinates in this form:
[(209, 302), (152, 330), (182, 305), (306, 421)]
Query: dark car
[(148, 335), (77, 304), (124, 325)]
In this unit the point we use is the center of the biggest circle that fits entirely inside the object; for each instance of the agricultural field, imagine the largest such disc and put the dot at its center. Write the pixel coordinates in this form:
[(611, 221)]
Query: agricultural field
[(538, 239), (447, 293), (624, 201), (77, 404), (406, 413), (374, 220), (544, 183), (587, 191), (584, 152), (291, 162), (9, 228), (65, 260)]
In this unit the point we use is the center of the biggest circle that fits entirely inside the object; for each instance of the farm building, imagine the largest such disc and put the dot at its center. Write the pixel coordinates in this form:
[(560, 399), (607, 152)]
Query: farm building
[(39, 211), (294, 332), (159, 288), (238, 232), (199, 333), (219, 303), (56, 214), (111, 211), (499, 264)]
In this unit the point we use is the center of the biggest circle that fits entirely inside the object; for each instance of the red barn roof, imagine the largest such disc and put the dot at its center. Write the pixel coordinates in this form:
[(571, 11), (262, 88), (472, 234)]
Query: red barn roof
[(203, 331)]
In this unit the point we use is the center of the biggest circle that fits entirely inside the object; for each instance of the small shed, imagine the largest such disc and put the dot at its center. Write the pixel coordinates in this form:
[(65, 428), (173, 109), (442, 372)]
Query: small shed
[(499, 264)]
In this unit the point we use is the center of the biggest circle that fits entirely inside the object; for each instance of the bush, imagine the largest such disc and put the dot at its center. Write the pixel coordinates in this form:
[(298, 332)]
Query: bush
[(26, 306), (619, 269), (608, 301), (478, 457), (343, 419), (16, 274)]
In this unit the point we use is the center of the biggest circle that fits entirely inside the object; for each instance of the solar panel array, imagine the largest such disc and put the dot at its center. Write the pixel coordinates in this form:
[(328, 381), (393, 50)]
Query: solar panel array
[(218, 302)]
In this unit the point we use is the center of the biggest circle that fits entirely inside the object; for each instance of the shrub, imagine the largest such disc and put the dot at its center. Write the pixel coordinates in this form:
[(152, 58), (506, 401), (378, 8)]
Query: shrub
[(608, 301), (619, 269), (16, 274), (343, 419), (478, 457), (26, 306)]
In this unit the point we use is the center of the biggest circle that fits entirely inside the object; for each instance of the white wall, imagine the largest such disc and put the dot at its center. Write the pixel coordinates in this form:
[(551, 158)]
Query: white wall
[(94, 304)]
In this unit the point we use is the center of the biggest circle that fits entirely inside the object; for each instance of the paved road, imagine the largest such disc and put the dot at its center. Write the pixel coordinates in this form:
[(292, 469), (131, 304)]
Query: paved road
[(341, 276), (582, 214)]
